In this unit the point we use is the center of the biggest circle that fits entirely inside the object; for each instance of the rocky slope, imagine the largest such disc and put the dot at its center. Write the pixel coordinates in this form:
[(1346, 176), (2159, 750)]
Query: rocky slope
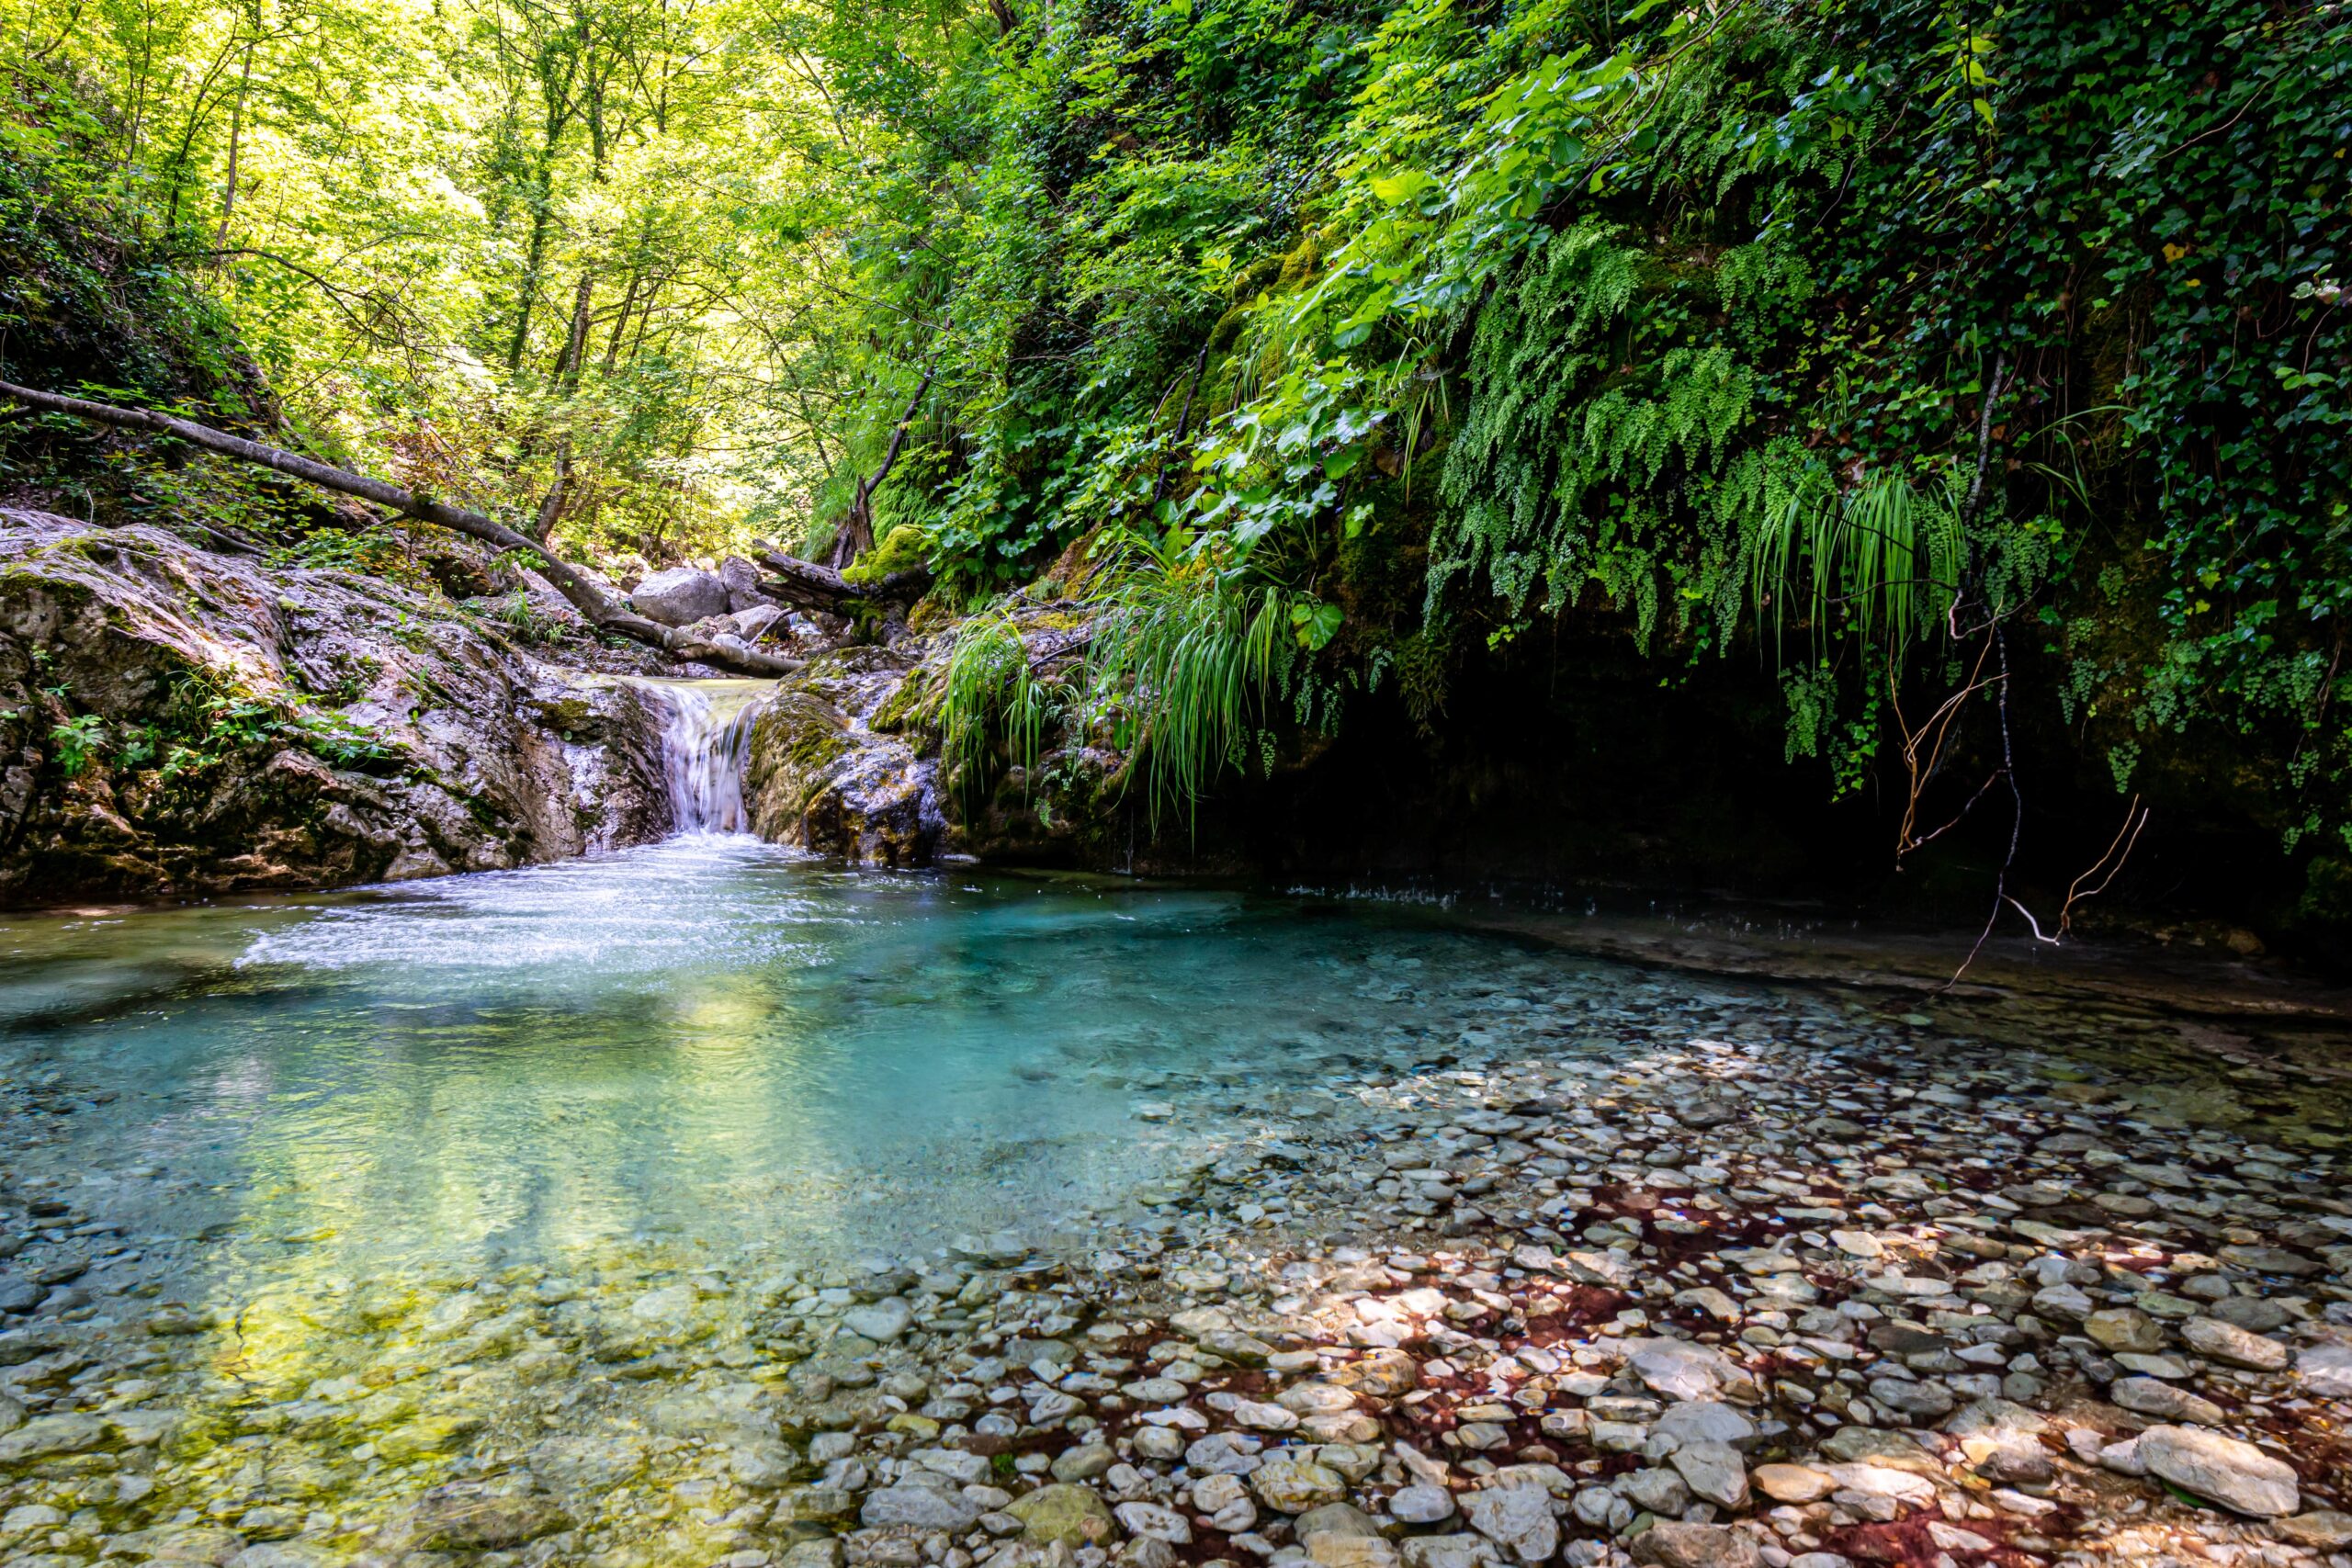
[(175, 721)]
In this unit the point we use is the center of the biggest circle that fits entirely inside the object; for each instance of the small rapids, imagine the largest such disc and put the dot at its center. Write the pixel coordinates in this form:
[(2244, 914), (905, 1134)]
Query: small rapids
[(704, 747)]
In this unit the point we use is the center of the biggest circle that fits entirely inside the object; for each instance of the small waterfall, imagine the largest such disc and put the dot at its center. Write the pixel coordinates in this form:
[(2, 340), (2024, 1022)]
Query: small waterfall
[(704, 748)]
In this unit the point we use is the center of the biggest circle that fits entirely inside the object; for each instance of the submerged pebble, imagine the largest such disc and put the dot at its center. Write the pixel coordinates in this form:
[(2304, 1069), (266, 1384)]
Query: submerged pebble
[(1510, 1260)]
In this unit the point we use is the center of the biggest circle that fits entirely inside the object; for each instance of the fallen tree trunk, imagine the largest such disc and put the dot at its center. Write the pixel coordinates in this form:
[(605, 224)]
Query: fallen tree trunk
[(601, 610), (809, 586)]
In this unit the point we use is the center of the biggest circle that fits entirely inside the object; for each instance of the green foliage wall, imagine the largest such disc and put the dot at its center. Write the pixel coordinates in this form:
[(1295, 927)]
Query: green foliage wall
[(1990, 355)]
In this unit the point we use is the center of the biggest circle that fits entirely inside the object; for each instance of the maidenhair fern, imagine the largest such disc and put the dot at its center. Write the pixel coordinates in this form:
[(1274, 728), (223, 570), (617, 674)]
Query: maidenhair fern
[(1591, 436)]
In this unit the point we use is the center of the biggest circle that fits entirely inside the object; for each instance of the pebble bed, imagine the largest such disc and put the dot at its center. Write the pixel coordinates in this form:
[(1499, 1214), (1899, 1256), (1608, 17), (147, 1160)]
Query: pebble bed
[(1644, 1271)]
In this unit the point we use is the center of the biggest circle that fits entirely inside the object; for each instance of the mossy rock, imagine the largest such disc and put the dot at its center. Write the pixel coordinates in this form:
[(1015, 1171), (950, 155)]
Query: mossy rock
[(797, 738), (907, 709)]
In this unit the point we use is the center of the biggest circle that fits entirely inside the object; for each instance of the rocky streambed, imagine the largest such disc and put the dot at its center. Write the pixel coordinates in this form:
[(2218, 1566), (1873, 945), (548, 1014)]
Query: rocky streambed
[(1532, 1262)]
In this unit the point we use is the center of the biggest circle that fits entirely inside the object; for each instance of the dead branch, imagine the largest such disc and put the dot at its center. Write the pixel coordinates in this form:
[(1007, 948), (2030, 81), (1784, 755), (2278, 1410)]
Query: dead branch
[(601, 610), (855, 536), (2135, 817), (809, 586), (1938, 730)]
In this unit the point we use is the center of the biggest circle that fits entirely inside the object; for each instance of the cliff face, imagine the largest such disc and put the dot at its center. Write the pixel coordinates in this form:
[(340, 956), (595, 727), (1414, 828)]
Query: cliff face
[(176, 722)]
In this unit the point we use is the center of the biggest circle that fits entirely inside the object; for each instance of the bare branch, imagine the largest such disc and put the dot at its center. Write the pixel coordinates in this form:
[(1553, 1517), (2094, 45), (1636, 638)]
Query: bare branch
[(603, 611)]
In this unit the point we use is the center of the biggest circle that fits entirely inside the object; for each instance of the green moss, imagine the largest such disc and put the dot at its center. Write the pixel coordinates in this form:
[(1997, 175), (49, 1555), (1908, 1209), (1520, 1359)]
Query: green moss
[(910, 706), (904, 548)]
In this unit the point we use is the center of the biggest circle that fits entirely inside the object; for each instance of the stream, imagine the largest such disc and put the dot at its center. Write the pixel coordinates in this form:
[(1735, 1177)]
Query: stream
[(327, 1204)]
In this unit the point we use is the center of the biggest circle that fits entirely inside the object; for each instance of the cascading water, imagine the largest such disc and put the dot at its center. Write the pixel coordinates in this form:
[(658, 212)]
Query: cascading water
[(704, 747)]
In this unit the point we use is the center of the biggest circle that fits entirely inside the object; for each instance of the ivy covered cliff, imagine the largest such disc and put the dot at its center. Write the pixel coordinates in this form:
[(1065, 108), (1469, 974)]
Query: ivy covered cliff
[(1972, 375)]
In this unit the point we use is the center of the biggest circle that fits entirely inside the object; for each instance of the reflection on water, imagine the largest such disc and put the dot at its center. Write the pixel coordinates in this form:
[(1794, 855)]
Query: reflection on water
[(710, 1038)]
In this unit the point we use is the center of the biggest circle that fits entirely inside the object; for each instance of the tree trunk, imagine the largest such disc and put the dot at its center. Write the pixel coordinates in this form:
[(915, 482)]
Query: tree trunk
[(567, 369), (856, 535), (601, 609), (567, 380), (809, 586), (236, 133)]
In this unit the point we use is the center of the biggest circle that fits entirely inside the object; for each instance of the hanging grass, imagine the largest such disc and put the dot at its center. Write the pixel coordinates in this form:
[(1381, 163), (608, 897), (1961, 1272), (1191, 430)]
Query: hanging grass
[(1192, 658), (993, 708), (1882, 560)]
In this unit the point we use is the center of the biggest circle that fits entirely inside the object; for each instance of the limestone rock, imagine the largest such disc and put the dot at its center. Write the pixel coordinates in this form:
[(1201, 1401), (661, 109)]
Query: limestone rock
[(2221, 1468), (1714, 1472), (2124, 1328), (925, 1508), (2322, 1530), (1152, 1520), (2149, 1396), (680, 596), (2325, 1372), (1792, 1483), (1516, 1519), (1290, 1485), (488, 1524), (818, 775), (881, 1321), (2227, 1342), (1063, 1514), (1679, 1370), (510, 762), (1463, 1551), (1421, 1503), (1669, 1545)]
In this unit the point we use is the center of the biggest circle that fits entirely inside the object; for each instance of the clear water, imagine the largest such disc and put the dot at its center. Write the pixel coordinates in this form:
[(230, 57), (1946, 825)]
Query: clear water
[(710, 1040), (431, 1182)]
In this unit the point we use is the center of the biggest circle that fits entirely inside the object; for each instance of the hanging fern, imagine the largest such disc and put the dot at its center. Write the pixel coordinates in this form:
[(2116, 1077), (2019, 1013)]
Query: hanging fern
[(1588, 452), (993, 706)]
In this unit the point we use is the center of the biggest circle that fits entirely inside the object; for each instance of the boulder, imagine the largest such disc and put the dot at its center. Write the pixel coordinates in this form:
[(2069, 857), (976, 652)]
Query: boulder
[(819, 775), (680, 595), (741, 580)]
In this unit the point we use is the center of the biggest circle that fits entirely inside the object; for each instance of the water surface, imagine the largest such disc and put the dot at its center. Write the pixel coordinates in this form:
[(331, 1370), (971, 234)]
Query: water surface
[(710, 1038)]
